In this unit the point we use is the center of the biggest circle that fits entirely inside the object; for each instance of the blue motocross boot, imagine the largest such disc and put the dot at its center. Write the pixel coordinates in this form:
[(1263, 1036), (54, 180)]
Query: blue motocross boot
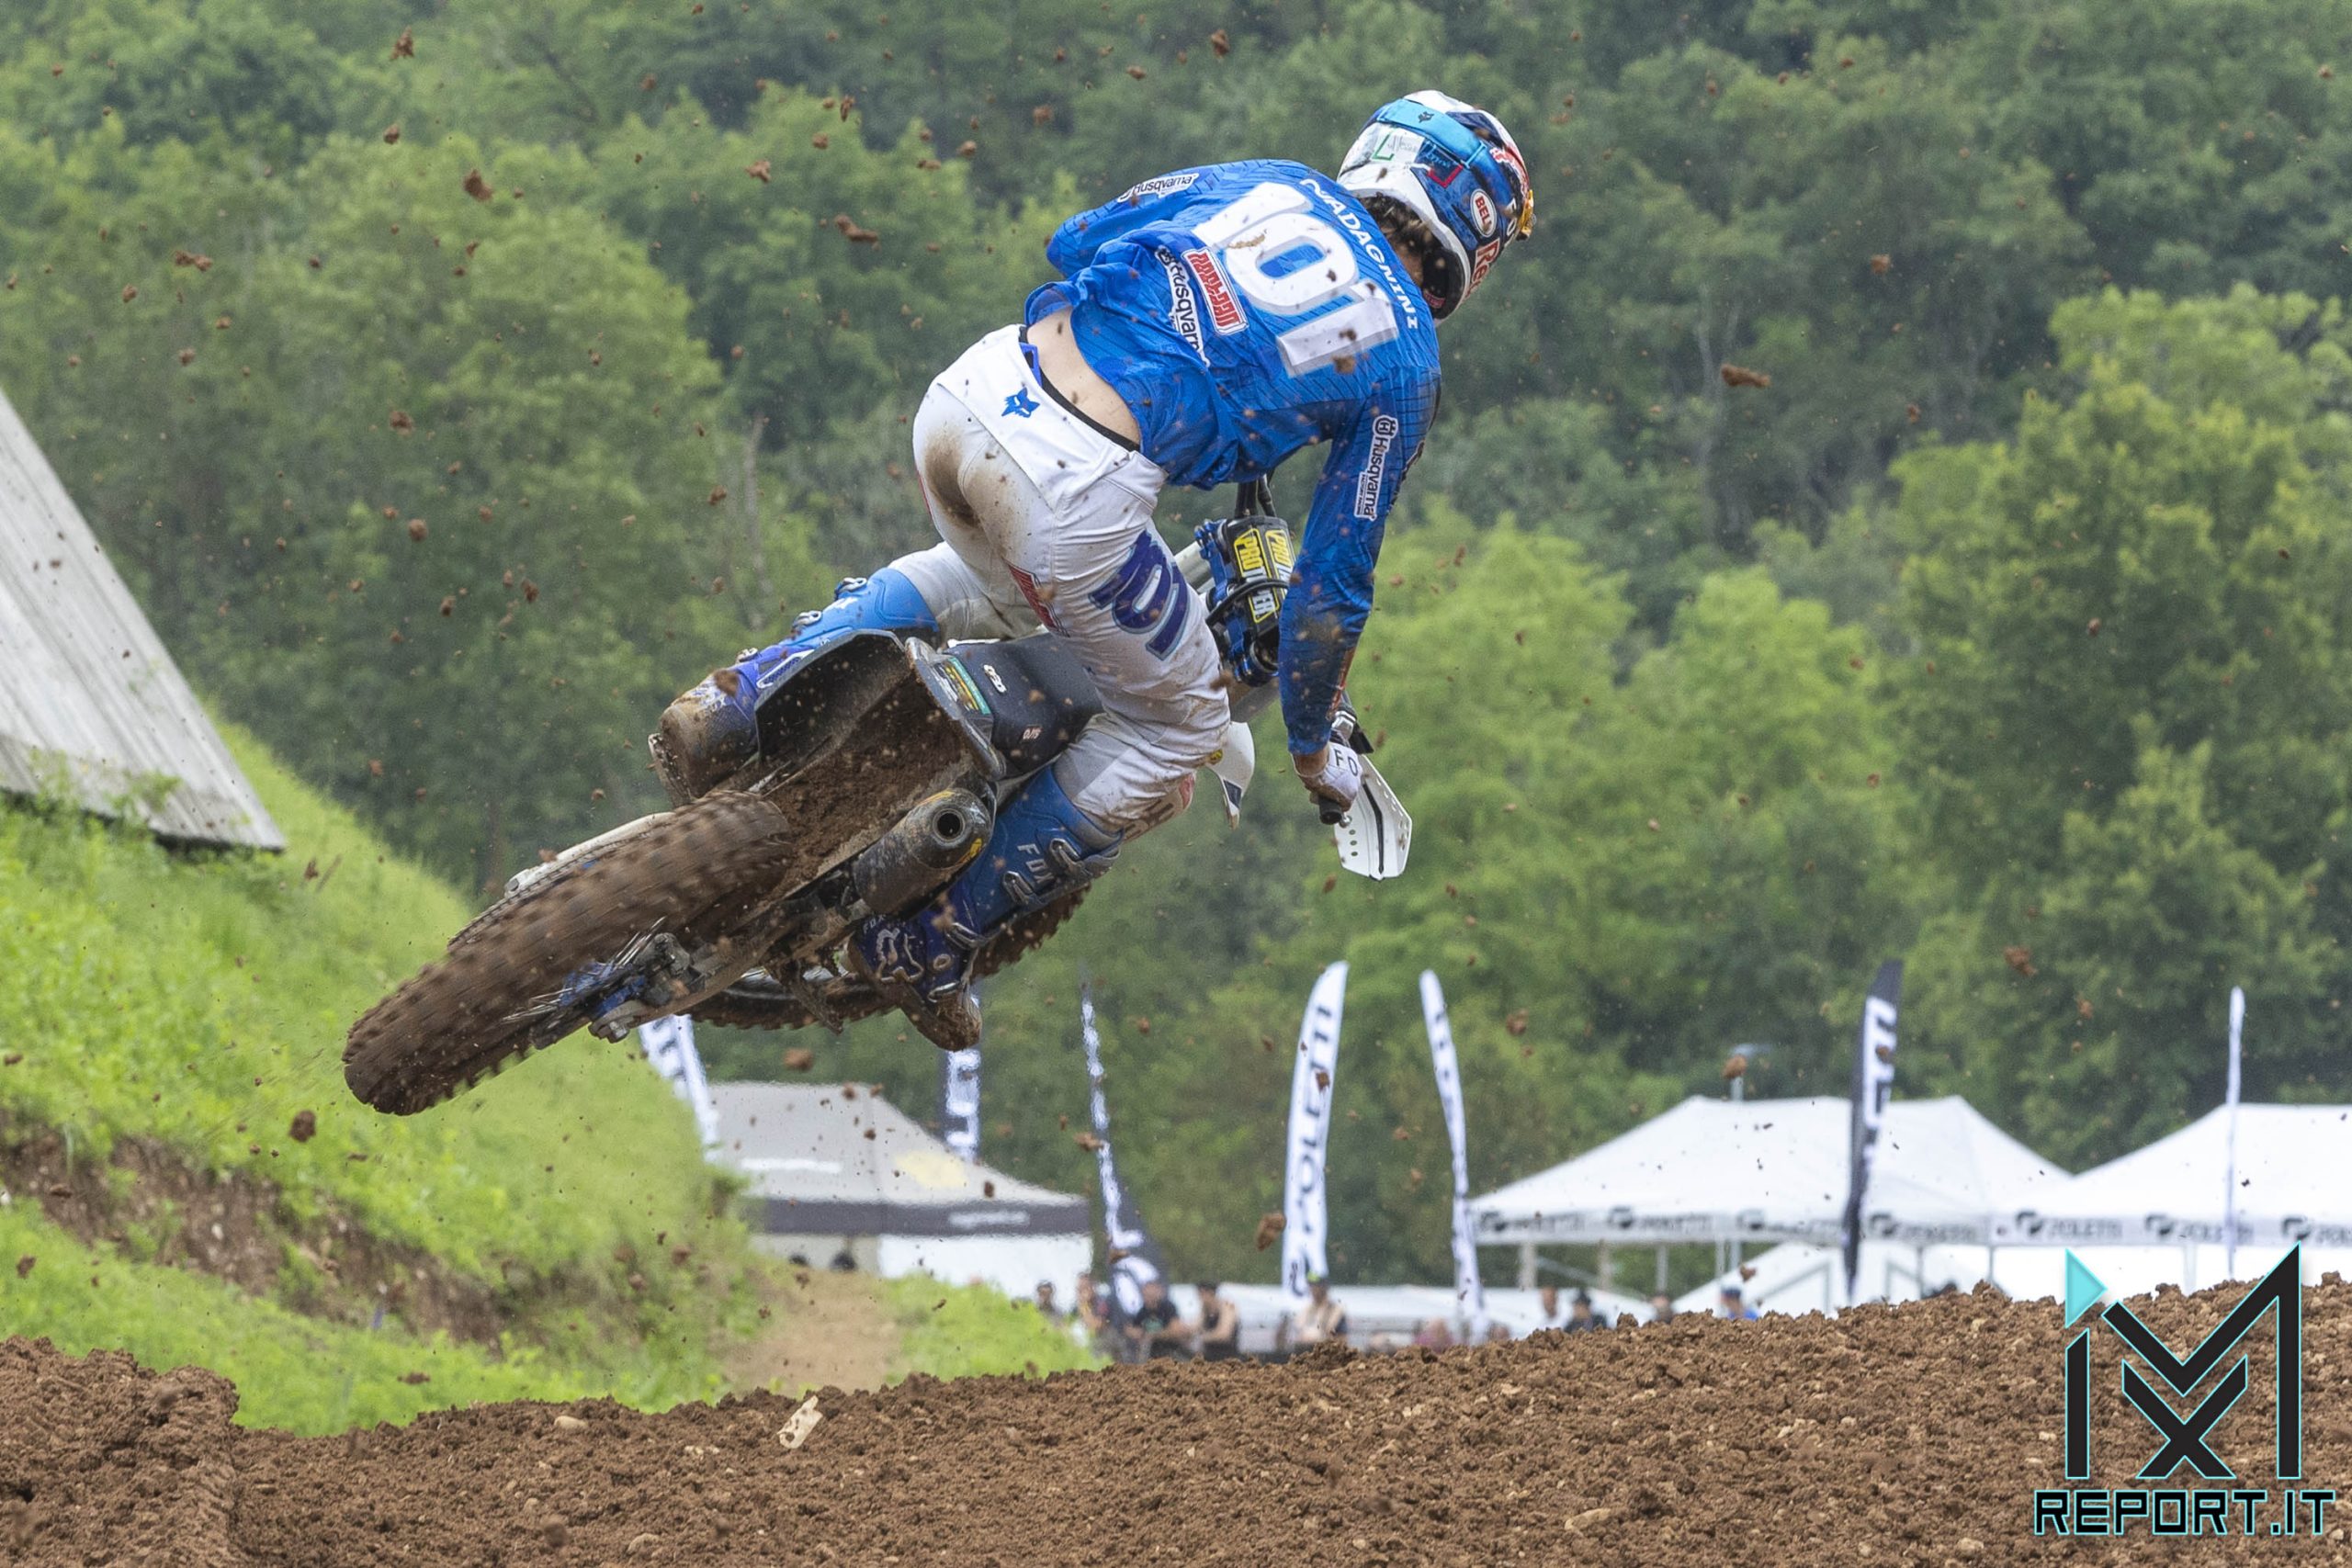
[(1043, 846), (712, 730)]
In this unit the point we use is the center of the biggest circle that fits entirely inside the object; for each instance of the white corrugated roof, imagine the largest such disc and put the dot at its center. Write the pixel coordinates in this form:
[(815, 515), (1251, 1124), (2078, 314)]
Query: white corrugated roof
[(90, 702), (818, 1143), (1776, 1169)]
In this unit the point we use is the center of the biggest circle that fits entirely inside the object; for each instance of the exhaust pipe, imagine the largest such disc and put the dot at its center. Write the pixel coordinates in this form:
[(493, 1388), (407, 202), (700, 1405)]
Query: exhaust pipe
[(922, 853)]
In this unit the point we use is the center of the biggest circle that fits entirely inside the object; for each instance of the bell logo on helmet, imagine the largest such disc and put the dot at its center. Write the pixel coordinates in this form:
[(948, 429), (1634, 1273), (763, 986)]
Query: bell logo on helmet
[(1482, 208)]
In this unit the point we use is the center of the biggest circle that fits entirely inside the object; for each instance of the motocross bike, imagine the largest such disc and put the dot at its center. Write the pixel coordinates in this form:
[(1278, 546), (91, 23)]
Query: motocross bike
[(880, 764)]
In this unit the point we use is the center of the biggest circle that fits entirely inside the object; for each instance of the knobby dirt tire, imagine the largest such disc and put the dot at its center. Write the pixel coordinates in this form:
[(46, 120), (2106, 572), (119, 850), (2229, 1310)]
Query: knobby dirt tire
[(485, 1004)]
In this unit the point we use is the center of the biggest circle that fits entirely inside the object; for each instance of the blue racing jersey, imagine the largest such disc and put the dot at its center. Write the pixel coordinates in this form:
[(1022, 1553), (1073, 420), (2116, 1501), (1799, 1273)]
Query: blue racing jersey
[(1244, 310)]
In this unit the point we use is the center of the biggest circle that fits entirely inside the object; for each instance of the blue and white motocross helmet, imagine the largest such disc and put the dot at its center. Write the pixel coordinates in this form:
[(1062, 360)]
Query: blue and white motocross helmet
[(1454, 168)]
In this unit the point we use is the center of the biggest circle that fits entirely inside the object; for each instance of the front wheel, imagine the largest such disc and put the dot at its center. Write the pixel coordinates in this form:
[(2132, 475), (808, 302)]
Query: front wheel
[(510, 983)]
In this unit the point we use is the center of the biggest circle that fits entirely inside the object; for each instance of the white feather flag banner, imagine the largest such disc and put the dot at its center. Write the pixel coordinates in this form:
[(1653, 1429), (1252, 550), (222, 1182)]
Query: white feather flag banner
[(668, 1045), (1310, 1132), (1469, 1295)]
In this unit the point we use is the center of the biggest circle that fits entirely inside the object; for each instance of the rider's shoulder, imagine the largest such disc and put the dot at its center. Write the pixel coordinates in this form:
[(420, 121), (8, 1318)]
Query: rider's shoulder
[(1220, 182), (1208, 179), (1240, 175)]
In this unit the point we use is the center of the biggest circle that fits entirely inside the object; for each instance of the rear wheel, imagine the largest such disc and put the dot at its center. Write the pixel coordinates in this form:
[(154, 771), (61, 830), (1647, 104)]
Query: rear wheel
[(499, 993)]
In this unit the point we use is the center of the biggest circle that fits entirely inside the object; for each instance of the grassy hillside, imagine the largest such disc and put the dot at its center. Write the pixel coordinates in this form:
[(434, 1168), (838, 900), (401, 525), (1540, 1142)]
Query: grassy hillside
[(291, 1371), (200, 1000)]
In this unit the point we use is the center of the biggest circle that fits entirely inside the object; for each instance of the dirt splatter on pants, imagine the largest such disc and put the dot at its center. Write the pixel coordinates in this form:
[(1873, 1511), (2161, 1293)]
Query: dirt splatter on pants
[(1046, 518)]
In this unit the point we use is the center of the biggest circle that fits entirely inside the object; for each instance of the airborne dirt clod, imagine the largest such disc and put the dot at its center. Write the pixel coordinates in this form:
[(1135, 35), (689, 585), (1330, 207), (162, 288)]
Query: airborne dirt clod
[(1913, 1434)]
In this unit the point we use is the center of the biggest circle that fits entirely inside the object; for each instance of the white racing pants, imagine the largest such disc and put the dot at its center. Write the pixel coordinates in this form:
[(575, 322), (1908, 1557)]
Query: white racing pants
[(1046, 518)]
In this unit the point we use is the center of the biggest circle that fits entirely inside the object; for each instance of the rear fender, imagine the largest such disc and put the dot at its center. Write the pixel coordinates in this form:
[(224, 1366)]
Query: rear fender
[(821, 700)]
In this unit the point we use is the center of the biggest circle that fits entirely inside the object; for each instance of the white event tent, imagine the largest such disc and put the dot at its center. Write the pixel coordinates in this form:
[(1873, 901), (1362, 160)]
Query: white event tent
[(1794, 1278), (2151, 1217), (835, 1169), (2156, 1214), (1767, 1171)]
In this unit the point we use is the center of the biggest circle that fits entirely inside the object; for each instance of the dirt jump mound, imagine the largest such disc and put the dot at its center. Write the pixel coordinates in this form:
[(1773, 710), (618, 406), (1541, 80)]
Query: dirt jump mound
[(1914, 1434)]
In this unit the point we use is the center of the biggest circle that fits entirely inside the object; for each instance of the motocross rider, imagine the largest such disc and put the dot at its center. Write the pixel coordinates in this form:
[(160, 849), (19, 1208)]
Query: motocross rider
[(1209, 324)]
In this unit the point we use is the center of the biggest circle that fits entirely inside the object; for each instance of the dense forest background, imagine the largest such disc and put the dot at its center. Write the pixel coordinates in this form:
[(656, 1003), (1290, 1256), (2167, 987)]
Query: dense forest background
[(457, 382)]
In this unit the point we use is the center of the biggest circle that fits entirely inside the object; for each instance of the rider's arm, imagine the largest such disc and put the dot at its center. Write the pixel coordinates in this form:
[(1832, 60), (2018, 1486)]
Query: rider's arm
[(1332, 594)]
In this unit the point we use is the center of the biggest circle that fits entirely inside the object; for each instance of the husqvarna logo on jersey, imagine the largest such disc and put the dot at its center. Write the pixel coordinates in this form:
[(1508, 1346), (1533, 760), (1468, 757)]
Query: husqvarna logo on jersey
[(1225, 311), (1160, 185), (1183, 309), (1376, 466)]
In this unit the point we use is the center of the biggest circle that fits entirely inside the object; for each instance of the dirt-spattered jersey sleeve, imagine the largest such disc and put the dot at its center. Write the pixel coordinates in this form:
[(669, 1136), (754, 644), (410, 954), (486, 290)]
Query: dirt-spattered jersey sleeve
[(1328, 603)]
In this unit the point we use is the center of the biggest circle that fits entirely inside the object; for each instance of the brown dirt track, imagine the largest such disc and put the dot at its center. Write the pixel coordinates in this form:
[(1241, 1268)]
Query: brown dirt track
[(1904, 1436)]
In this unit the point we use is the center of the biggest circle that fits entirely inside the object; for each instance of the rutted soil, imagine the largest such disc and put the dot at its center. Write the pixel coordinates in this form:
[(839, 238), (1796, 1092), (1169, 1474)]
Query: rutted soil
[(1912, 1435), (147, 1200)]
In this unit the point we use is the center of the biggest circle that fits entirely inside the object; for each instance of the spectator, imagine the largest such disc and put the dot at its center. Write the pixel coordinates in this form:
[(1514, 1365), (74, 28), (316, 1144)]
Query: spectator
[(1661, 1307), (1154, 1330), (1322, 1319), (1499, 1333), (1733, 1307), (1218, 1335), (1434, 1334), (1552, 1317), (1580, 1316), (1046, 1306), (1090, 1309)]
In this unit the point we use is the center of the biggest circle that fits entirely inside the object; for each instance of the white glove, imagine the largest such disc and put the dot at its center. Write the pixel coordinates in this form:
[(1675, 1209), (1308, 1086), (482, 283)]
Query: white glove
[(1340, 777)]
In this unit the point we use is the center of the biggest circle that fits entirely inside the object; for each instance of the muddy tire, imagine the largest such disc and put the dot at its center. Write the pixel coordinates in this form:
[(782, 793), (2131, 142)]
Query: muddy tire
[(488, 1002), (759, 1003)]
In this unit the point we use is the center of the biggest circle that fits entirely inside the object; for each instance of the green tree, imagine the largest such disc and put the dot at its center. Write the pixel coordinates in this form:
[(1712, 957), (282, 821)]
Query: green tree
[(423, 481), (2126, 717), (2197, 144), (847, 277)]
